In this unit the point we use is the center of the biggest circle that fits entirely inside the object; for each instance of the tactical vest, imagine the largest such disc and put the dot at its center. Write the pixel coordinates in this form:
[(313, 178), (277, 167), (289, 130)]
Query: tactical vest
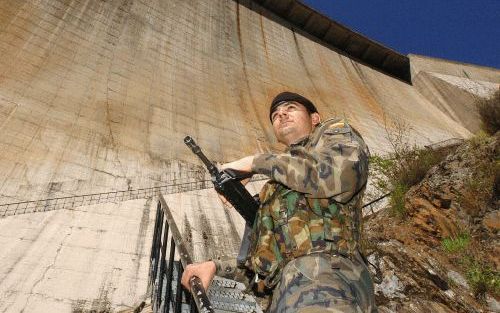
[(289, 225)]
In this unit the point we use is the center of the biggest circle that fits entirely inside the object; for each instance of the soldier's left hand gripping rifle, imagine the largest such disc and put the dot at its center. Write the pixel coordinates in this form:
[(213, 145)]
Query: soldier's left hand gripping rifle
[(228, 183)]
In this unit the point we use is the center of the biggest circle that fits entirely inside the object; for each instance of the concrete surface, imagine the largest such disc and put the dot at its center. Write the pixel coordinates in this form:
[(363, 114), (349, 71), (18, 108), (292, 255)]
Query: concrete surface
[(96, 97), (209, 229), (90, 258)]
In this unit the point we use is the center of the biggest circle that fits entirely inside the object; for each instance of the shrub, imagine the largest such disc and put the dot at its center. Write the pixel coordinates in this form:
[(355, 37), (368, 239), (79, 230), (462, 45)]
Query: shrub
[(416, 163), (380, 169), (405, 167), (489, 111), (397, 200)]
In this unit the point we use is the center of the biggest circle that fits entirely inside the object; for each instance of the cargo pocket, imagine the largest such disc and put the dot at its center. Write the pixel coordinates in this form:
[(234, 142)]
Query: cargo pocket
[(279, 213), (298, 225), (292, 224)]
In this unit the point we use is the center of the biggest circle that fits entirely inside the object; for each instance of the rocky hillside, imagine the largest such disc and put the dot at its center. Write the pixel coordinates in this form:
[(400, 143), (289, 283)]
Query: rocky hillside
[(443, 253)]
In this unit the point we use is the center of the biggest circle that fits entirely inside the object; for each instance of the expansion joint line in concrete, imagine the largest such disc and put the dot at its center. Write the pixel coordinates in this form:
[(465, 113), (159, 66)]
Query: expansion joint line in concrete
[(46, 270), (71, 202)]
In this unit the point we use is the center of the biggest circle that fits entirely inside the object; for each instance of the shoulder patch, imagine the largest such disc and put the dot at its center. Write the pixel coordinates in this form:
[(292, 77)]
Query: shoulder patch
[(332, 126), (340, 124), (340, 127), (335, 131)]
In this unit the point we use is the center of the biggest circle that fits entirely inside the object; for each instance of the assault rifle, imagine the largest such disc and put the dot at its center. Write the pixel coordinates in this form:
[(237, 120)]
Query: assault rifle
[(227, 183)]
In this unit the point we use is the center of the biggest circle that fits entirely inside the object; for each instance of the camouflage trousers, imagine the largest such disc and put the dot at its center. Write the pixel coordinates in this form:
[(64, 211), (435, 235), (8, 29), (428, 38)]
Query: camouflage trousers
[(324, 283)]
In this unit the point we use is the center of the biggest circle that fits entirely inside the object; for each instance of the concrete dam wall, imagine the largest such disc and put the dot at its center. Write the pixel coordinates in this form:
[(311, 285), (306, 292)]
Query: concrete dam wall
[(96, 97)]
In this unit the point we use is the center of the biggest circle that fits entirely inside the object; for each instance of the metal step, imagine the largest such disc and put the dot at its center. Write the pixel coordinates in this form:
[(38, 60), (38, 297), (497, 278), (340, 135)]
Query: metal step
[(226, 296)]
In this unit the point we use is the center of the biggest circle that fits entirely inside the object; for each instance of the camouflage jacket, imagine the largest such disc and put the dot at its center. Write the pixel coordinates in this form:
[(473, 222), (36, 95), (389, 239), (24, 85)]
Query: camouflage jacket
[(312, 200)]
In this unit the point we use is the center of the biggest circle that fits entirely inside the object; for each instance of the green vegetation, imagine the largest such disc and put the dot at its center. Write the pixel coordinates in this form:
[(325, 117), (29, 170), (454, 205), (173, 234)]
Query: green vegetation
[(479, 139), (478, 195), (482, 278), (397, 200), (405, 167), (482, 188), (457, 244), (489, 111)]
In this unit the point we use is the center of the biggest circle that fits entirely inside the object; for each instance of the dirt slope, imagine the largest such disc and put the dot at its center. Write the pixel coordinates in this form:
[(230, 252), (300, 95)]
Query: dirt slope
[(443, 256)]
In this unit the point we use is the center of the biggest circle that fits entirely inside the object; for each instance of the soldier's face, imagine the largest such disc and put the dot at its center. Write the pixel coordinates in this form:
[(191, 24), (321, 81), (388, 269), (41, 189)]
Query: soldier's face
[(292, 122)]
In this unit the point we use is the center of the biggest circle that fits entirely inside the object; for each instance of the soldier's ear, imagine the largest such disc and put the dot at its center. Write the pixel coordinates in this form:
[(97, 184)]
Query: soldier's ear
[(315, 119)]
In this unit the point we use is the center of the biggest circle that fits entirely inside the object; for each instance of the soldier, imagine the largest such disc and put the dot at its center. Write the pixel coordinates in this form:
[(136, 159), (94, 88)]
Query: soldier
[(306, 236)]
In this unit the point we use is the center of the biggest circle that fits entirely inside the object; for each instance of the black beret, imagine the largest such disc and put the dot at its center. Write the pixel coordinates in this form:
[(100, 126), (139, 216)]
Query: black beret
[(291, 96)]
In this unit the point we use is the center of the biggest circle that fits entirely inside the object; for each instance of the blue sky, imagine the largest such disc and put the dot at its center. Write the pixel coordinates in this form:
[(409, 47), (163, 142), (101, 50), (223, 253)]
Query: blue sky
[(460, 30)]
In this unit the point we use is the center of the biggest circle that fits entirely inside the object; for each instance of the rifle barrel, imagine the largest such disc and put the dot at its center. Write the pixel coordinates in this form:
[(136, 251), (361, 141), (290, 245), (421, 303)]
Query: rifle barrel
[(189, 141)]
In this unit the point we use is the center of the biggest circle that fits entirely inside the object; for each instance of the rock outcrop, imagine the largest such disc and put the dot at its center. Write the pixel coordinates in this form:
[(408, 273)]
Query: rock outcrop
[(457, 202)]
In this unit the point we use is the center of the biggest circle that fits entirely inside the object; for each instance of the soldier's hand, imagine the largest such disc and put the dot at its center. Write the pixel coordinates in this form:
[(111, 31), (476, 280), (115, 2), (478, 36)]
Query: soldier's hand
[(205, 272), (242, 165)]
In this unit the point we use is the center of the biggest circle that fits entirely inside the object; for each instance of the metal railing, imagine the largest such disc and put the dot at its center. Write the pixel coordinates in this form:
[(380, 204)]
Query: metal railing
[(448, 143), (70, 202), (98, 198), (370, 204), (165, 273)]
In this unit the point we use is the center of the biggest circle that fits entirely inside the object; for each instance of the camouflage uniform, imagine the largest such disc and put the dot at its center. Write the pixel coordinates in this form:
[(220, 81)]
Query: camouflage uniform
[(307, 231), (322, 282)]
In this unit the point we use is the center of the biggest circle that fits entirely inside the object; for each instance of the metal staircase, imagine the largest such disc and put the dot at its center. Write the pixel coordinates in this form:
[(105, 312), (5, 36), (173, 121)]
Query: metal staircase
[(167, 294)]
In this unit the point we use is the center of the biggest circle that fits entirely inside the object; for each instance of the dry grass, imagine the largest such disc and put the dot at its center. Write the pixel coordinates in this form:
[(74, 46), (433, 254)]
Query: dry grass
[(489, 111), (405, 167), (481, 189)]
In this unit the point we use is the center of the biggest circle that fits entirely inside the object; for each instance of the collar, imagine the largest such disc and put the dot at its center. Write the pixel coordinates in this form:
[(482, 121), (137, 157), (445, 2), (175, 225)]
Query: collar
[(300, 143), (304, 141)]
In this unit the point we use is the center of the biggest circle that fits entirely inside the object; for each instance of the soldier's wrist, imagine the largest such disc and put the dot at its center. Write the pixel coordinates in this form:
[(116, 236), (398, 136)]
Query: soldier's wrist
[(224, 265), (217, 265)]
